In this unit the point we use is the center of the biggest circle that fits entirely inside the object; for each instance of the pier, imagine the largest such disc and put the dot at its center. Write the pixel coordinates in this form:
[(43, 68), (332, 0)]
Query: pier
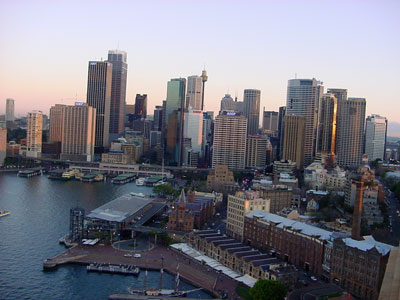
[(156, 259), (114, 269), (124, 178), (30, 172)]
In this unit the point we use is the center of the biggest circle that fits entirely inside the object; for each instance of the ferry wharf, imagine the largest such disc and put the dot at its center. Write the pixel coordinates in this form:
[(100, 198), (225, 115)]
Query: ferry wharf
[(157, 258)]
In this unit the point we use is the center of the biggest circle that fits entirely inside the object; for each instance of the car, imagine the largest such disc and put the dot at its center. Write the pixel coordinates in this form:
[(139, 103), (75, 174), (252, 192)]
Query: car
[(137, 255), (313, 278), (128, 255)]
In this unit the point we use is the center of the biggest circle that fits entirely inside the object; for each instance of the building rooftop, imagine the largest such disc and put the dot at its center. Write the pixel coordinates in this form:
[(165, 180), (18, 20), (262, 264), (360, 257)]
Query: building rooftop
[(294, 225), (120, 209), (367, 244)]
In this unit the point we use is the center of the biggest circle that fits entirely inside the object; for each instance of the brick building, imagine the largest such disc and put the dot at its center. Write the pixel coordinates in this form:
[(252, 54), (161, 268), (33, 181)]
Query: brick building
[(358, 266), (221, 180), (298, 243), (280, 196), (190, 212), (241, 258)]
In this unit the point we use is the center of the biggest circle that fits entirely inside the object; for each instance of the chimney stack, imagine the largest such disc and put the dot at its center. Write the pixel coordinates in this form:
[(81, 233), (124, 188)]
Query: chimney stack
[(356, 230)]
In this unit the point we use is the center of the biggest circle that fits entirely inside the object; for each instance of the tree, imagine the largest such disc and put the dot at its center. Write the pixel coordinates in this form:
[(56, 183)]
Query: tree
[(165, 190), (268, 290)]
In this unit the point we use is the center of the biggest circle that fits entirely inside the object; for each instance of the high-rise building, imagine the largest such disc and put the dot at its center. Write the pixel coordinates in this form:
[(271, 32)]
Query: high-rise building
[(10, 110), (227, 103), (175, 105), (341, 97), (99, 97), (282, 113), (350, 141), (251, 101), (270, 121), (194, 92), (327, 124), (208, 129), (78, 137), (141, 105), (129, 109), (158, 118), (294, 139), (193, 128), (229, 146), (34, 134), (3, 145), (303, 96), (118, 92), (375, 137), (256, 151), (56, 123), (204, 78)]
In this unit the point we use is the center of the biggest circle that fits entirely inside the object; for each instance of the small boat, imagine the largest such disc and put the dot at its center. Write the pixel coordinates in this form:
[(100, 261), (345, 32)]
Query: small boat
[(140, 181), (4, 213)]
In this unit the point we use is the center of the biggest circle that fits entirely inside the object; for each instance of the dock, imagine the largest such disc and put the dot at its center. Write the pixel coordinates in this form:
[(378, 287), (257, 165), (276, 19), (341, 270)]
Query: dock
[(124, 178), (156, 259), (114, 269), (142, 297), (30, 172)]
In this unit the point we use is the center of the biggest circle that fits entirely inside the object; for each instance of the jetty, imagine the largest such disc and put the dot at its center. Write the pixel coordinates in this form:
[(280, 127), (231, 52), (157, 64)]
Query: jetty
[(124, 178), (143, 297), (30, 172), (114, 269)]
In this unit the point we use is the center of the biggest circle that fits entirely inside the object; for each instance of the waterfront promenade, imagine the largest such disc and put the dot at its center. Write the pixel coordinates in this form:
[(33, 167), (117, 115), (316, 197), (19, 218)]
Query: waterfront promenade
[(155, 259)]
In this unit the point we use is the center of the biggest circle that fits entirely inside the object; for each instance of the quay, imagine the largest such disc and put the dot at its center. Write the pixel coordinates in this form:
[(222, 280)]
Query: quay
[(114, 269), (30, 172), (141, 297), (158, 258), (124, 178)]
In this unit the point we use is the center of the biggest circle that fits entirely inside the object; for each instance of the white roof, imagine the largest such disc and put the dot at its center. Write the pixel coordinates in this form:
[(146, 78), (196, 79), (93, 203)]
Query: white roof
[(295, 225), (367, 244), (185, 248)]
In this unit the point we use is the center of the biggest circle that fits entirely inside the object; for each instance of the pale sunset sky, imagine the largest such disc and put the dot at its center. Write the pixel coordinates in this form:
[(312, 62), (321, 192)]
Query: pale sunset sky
[(46, 45)]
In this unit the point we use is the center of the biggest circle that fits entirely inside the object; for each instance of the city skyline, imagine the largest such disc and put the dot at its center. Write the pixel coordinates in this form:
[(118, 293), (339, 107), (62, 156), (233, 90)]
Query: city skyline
[(366, 65)]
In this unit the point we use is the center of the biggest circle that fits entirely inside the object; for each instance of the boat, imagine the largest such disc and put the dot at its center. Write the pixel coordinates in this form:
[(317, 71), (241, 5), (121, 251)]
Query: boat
[(67, 175), (4, 213), (140, 181), (160, 183)]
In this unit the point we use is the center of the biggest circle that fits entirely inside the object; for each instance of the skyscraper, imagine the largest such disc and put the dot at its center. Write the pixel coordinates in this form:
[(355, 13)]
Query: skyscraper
[(56, 123), (341, 97), (34, 134), (256, 151), (175, 105), (158, 118), (270, 121), (78, 137), (282, 113), (193, 128), (375, 137), (99, 97), (118, 92), (3, 145), (294, 139), (229, 146), (141, 105), (10, 110), (251, 101), (349, 148), (303, 96), (327, 124), (194, 94), (204, 78)]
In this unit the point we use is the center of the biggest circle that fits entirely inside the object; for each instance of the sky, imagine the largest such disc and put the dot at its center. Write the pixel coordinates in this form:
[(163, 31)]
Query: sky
[(45, 47)]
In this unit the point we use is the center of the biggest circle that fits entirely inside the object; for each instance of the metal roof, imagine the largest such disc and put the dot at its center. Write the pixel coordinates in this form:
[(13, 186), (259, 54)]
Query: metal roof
[(120, 209)]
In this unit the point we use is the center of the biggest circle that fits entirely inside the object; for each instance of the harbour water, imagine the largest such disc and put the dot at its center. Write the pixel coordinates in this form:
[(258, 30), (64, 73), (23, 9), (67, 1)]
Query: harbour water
[(39, 217)]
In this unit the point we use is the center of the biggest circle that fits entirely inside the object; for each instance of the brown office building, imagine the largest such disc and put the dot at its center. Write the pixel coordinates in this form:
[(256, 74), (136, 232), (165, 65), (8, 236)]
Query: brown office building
[(293, 139), (56, 123), (327, 124), (141, 105)]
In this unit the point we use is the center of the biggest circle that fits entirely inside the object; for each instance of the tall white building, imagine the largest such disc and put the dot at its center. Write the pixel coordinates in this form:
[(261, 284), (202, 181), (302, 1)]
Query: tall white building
[(10, 110), (375, 137), (193, 128), (34, 134), (229, 147), (303, 97), (194, 92)]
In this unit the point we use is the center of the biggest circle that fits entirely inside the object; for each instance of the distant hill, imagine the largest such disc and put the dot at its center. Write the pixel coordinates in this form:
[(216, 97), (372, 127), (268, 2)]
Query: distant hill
[(393, 138)]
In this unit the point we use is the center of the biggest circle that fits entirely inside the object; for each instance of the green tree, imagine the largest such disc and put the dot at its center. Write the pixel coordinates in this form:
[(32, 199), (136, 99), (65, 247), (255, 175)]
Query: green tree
[(165, 190), (268, 290)]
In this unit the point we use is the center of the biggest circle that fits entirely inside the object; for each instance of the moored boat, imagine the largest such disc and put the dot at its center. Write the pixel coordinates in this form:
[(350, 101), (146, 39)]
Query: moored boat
[(4, 213)]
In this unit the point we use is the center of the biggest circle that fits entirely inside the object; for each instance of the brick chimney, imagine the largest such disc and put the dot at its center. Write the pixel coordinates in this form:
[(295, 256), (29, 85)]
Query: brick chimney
[(355, 230)]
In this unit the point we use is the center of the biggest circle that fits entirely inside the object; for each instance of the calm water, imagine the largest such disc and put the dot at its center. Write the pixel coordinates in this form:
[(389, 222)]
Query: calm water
[(39, 217)]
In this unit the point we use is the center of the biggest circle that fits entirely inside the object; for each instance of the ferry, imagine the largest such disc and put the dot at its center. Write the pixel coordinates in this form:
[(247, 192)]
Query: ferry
[(4, 213), (69, 174), (140, 181)]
